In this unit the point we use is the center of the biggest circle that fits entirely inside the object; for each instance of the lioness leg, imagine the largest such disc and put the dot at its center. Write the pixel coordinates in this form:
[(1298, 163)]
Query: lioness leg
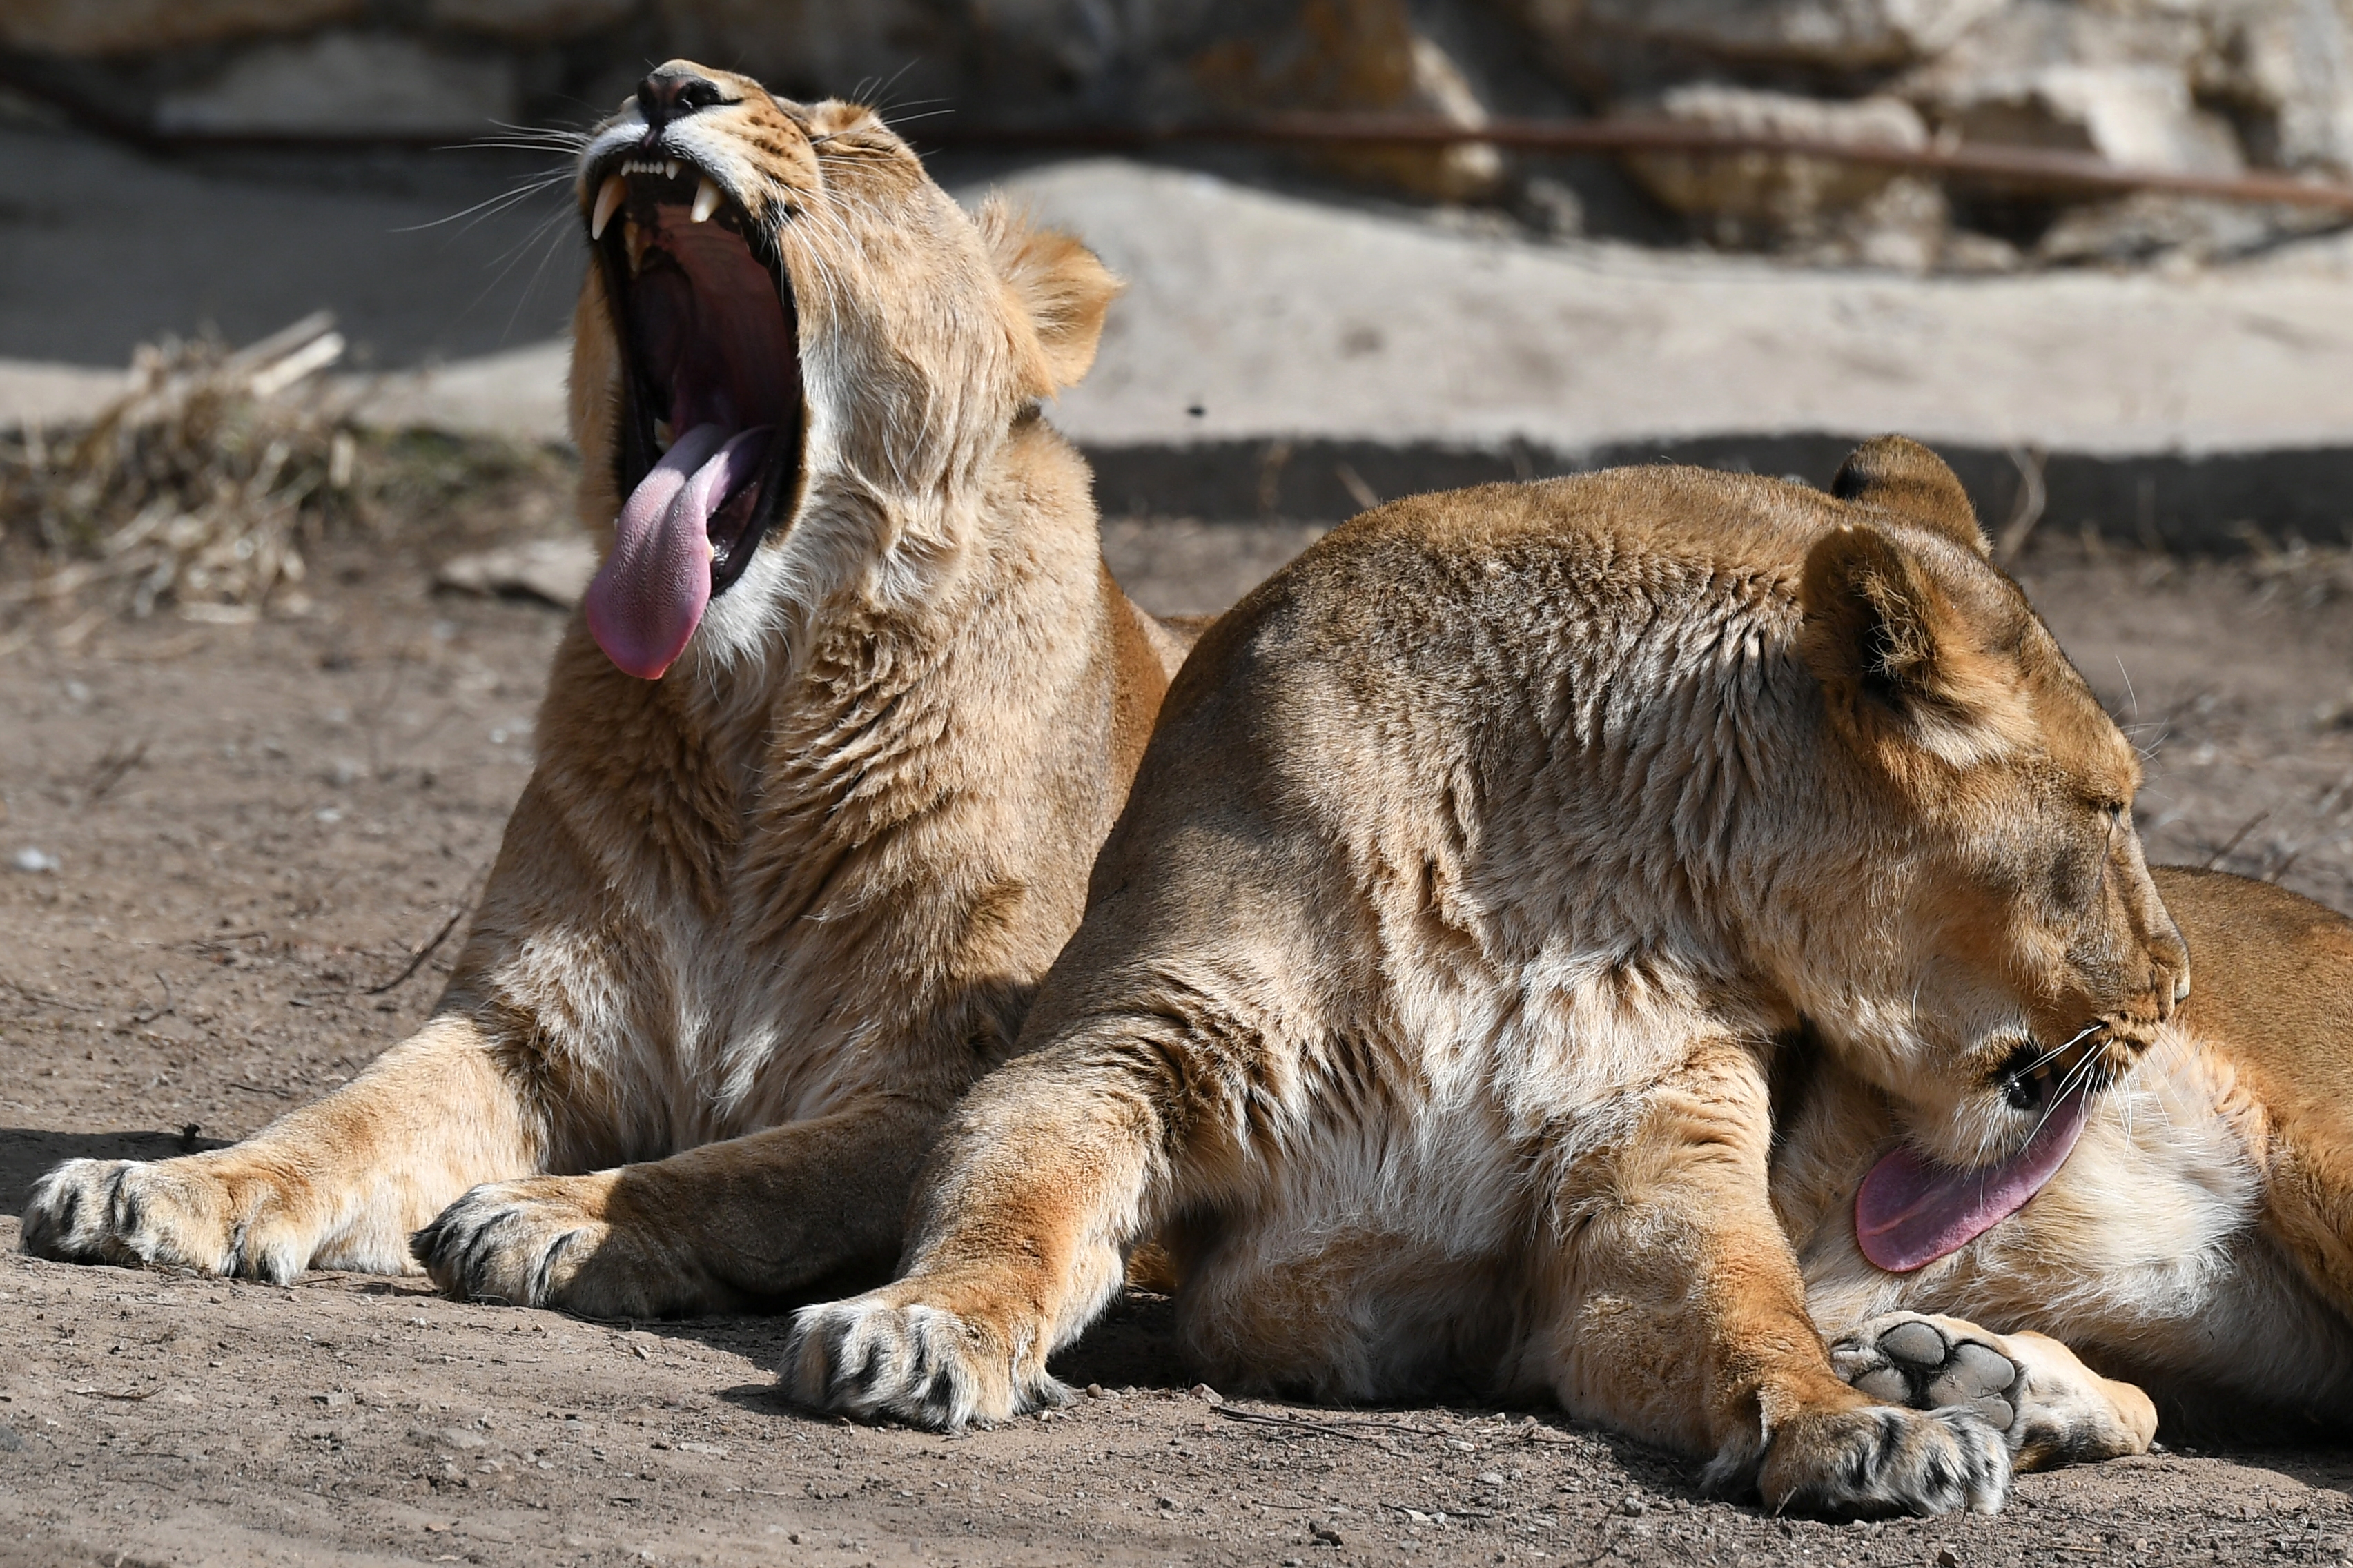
[(711, 1229), (2050, 1408), (1680, 1316), (1018, 1237), (338, 1184)]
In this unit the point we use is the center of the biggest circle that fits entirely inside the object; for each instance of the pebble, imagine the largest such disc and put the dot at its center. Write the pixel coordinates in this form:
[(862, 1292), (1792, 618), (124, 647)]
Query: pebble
[(34, 861)]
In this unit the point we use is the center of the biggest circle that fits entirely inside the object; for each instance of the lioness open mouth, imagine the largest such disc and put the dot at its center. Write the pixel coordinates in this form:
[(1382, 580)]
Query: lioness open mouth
[(711, 418)]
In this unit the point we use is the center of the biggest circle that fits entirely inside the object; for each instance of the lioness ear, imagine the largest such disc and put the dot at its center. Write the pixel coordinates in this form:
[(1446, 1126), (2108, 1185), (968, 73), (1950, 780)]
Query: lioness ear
[(1887, 640), (1058, 283), (1905, 479)]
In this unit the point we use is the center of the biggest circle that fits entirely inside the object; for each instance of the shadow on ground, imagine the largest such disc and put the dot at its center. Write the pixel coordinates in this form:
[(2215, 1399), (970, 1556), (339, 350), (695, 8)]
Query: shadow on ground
[(26, 1153)]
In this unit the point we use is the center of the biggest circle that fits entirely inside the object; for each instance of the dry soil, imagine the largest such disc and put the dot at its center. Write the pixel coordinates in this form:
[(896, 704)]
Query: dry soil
[(255, 828)]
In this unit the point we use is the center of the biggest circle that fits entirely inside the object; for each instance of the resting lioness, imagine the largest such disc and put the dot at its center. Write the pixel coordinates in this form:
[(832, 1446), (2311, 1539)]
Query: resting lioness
[(2191, 1229), (1430, 982), (821, 767)]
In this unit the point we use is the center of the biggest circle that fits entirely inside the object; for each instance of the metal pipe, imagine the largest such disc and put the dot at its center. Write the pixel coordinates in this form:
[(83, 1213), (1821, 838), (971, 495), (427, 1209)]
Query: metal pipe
[(1977, 161), (1967, 160)]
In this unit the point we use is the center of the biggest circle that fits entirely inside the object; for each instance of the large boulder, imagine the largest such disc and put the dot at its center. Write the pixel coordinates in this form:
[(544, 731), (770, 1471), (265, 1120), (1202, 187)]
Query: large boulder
[(1612, 46), (2053, 74), (374, 83), (84, 28)]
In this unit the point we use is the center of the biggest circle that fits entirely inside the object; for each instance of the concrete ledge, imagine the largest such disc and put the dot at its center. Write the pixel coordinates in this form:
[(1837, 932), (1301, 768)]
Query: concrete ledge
[(2198, 505)]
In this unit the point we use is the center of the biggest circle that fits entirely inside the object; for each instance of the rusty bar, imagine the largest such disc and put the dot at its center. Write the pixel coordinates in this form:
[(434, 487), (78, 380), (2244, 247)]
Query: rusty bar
[(1980, 161), (1977, 161)]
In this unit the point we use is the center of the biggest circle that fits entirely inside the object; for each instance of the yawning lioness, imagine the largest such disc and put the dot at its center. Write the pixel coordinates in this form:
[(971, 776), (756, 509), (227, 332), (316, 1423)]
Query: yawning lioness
[(822, 765)]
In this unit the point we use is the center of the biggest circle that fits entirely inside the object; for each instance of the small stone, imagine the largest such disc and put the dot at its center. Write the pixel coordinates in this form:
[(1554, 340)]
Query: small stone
[(1491, 1477), (1167, 1502), (1633, 1505), (1203, 1391), (1094, 1391), (1947, 1558), (1327, 1535), (34, 861)]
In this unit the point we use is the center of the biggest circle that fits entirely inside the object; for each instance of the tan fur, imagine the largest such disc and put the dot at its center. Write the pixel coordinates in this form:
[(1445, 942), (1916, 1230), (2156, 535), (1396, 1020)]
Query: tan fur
[(1431, 985), (778, 909), (2195, 1242)]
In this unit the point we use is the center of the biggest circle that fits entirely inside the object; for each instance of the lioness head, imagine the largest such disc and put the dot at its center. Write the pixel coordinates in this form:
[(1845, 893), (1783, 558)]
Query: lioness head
[(794, 357), (2013, 956)]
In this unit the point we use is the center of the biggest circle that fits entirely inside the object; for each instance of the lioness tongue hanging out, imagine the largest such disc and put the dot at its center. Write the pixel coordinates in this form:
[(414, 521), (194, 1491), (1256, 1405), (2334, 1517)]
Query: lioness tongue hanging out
[(713, 377), (822, 766)]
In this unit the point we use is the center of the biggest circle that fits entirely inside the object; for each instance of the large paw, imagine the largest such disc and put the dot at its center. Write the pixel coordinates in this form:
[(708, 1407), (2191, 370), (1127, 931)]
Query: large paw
[(2049, 1406), (886, 1353), (213, 1213), (554, 1241), (1880, 1460)]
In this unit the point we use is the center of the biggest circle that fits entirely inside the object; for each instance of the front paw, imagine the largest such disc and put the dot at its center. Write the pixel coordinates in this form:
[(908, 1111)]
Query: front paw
[(890, 1353), (533, 1243), (210, 1213), (2049, 1406), (1880, 1460)]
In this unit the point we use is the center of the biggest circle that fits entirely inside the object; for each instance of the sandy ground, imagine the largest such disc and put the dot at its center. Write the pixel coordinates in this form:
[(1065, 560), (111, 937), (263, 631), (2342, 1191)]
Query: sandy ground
[(254, 827)]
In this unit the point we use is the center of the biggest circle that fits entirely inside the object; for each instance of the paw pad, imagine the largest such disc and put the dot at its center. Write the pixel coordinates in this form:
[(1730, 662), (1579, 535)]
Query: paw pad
[(1917, 1364)]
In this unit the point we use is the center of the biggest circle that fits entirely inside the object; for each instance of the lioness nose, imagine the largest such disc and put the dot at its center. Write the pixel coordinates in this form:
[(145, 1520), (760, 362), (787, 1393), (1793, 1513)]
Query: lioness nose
[(674, 91)]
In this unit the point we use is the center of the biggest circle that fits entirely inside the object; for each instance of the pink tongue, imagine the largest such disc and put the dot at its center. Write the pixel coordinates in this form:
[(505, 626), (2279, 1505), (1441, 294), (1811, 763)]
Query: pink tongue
[(1911, 1211), (646, 601)]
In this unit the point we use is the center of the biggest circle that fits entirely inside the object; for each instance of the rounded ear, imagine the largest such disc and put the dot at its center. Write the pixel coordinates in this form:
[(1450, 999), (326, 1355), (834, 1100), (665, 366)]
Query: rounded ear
[(1904, 479), (1884, 637), (1060, 285), (1871, 619)]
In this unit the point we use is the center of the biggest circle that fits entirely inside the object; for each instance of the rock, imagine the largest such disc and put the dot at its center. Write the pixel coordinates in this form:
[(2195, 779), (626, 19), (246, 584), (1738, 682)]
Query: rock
[(34, 861), (876, 50), (1750, 196), (555, 569), (1341, 56), (2049, 73), (530, 21), (2285, 75), (348, 82), (1613, 46), (2149, 225), (90, 27)]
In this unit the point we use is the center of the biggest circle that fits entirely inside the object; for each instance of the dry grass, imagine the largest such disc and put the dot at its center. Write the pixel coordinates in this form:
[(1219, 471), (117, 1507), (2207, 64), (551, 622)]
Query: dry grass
[(209, 485)]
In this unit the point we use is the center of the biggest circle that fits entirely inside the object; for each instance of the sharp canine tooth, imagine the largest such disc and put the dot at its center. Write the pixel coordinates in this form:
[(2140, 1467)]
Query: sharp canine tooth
[(670, 168), (608, 197), (706, 200)]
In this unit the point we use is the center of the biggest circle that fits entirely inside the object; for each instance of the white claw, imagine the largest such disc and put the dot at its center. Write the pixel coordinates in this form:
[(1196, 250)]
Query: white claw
[(608, 198), (706, 200)]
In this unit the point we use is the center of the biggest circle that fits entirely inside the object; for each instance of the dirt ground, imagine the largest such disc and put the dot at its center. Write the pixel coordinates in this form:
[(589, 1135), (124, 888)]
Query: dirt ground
[(254, 829)]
